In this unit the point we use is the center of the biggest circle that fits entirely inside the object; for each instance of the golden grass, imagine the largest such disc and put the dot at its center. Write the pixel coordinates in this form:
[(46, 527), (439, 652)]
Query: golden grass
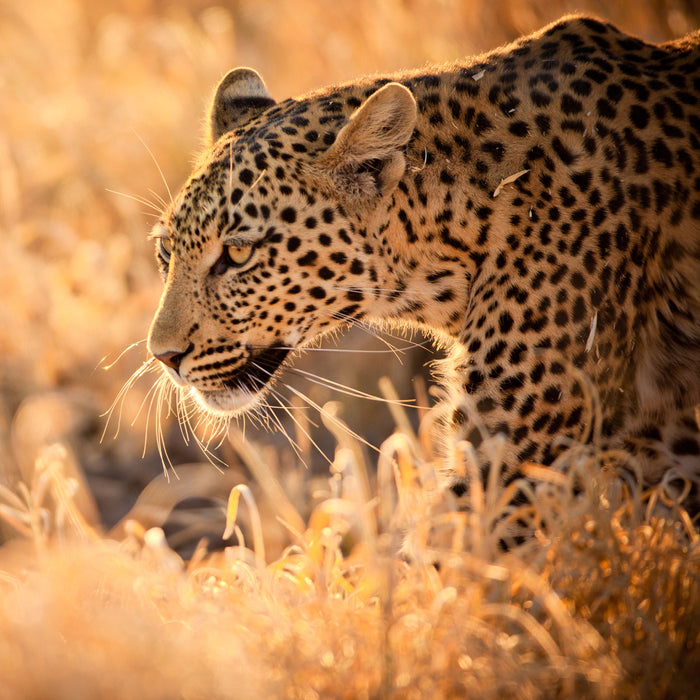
[(604, 602)]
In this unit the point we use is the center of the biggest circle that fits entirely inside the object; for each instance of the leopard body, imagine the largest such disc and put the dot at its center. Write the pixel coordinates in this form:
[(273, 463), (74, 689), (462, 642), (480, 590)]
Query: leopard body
[(536, 208)]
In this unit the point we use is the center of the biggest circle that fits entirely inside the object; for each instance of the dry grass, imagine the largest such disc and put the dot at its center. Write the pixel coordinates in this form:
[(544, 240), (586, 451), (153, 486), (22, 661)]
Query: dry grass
[(605, 602)]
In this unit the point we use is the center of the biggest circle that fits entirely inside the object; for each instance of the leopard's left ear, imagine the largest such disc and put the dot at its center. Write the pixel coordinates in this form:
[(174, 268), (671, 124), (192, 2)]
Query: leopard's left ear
[(366, 161), (240, 97)]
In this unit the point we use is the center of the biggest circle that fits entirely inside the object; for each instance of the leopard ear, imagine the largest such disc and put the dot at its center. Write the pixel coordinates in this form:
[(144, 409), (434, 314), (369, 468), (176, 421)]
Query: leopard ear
[(240, 97), (366, 161)]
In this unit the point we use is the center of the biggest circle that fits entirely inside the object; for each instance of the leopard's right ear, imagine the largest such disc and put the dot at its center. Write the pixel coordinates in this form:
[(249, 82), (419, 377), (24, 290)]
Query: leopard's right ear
[(240, 97)]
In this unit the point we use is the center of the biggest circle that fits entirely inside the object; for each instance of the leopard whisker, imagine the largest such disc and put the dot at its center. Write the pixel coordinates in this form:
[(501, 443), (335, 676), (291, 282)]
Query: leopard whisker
[(281, 398), (349, 391), (264, 412), (217, 432), (159, 198), (147, 366), (158, 398), (155, 162), (278, 423), (331, 417), (292, 442), (169, 391), (188, 409), (120, 355), (157, 388), (351, 351), (257, 415), (378, 330), (140, 200), (320, 409), (368, 328)]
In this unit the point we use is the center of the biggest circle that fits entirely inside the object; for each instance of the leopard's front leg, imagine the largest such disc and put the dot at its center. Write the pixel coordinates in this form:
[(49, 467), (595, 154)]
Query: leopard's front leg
[(507, 377)]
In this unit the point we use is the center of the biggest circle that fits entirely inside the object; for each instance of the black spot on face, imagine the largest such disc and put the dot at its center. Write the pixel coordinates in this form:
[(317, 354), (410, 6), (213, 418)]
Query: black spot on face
[(288, 215), (357, 267), (308, 259), (317, 292)]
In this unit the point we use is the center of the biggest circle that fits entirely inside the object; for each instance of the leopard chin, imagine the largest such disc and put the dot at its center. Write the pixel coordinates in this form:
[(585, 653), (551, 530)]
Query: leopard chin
[(227, 402)]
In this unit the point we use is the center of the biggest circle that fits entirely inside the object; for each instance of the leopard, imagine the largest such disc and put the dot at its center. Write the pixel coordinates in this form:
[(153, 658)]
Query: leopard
[(535, 210)]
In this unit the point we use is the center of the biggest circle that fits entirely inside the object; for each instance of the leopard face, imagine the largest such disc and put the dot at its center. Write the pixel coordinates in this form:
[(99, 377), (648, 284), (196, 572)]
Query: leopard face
[(265, 249), (538, 210)]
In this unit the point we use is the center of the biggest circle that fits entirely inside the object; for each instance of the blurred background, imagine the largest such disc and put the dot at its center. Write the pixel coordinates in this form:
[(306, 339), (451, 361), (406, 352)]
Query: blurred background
[(98, 98)]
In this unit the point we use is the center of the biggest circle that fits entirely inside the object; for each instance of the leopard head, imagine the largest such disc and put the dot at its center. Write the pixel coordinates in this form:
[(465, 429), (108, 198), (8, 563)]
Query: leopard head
[(275, 238)]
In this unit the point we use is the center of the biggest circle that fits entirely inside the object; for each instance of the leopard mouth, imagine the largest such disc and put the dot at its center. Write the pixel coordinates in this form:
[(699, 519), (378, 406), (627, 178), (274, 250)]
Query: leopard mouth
[(258, 370), (243, 388)]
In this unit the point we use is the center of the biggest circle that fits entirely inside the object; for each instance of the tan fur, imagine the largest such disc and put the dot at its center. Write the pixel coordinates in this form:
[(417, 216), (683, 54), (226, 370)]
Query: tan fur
[(375, 200)]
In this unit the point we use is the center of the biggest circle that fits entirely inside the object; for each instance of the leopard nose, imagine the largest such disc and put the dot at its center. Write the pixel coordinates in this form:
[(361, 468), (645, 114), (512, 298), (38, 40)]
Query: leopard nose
[(173, 358)]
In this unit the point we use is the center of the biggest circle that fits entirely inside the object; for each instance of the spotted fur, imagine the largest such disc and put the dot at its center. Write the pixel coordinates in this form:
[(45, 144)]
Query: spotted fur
[(537, 208)]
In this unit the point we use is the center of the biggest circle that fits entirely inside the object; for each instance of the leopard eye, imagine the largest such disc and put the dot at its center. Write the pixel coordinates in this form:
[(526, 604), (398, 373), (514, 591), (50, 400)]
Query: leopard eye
[(239, 254), (233, 256), (165, 247)]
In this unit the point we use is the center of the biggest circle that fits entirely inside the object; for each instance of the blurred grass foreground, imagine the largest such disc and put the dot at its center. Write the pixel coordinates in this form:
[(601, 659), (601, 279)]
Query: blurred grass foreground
[(356, 579)]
